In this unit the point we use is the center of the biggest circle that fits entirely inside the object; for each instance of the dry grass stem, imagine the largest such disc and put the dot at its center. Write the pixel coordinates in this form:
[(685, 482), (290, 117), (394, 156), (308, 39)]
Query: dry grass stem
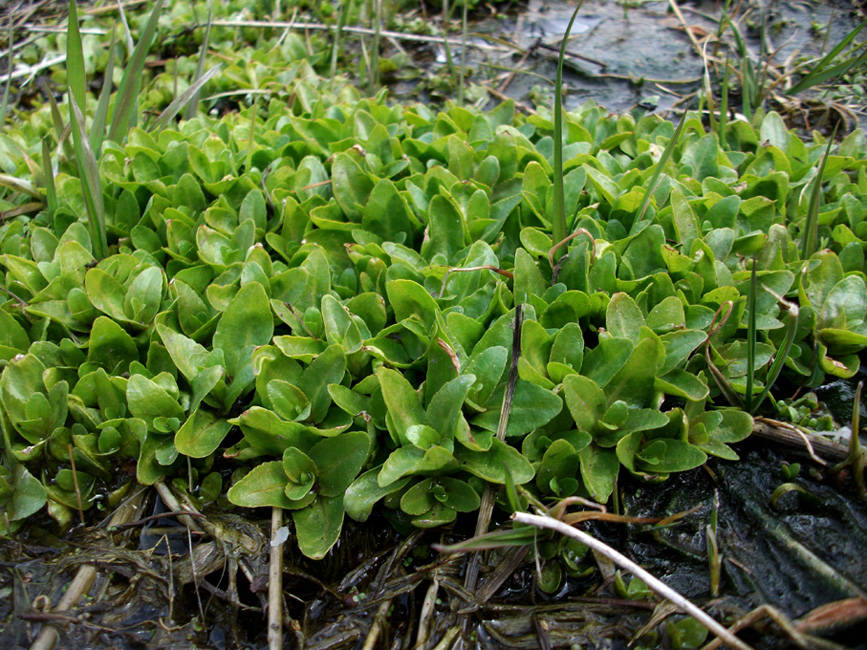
[(656, 585)]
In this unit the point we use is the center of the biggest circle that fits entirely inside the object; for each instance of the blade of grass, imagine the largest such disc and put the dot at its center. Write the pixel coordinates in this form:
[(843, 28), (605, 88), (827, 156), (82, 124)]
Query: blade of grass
[(810, 238), (129, 43), (558, 230), (91, 187), (751, 335), (254, 112), (463, 54), (782, 353), (818, 74), (127, 93), (193, 106), (75, 70), (5, 102), (56, 117), (336, 46), (181, 100), (48, 172), (97, 127), (377, 44), (724, 105), (654, 179)]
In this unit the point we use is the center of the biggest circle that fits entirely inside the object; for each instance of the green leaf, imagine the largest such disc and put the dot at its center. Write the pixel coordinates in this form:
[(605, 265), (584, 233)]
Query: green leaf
[(201, 434), (110, 346), (623, 318), (599, 469), (352, 186), (449, 492), (28, 494), (244, 325), (339, 460), (365, 491), (532, 407), (264, 485), (327, 368), (405, 461), (491, 465), (410, 300), (403, 404), (301, 472), (318, 526), (445, 406), (287, 400), (585, 401), (148, 400)]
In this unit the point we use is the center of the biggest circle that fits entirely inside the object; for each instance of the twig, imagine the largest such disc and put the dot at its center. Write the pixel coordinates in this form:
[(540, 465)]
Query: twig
[(275, 585), (487, 502), (486, 267), (376, 627), (414, 38), (427, 610), (652, 582), (791, 436), (676, 9)]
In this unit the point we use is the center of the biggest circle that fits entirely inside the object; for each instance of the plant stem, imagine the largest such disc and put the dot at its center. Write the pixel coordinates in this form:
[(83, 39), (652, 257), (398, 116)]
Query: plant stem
[(656, 585)]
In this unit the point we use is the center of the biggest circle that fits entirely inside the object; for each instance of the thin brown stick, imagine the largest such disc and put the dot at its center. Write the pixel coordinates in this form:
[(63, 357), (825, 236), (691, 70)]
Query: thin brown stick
[(656, 585), (487, 502), (485, 267), (415, 38), (275, 585)]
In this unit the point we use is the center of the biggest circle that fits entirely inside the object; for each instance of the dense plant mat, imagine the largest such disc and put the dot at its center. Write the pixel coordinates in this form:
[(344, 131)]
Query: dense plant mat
[(342, 309), (331, 304)]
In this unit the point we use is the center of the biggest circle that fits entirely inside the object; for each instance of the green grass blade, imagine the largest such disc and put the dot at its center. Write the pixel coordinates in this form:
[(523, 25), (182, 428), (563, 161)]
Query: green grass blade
[(781, 356), (496, 539), (56, 117), (831, 74), (558, 230), (127, 93), (810, 238), (724, 106), (5, 102), (254, 112), (88, 172), (815, 77), (654, 179), (463, 54), (91, 187), (345, 6), (181, 100), (377, 45), (193, 106), (75, 71), (100, 118), (751, 336), (48, 172)]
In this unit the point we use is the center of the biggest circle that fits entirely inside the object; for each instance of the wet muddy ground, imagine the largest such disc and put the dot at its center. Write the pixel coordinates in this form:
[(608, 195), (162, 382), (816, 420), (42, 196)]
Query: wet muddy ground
[(628, 53)]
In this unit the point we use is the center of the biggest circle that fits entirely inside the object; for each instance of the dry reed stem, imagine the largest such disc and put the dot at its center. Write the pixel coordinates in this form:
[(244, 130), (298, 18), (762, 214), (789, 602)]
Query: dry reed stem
[(656, 585)]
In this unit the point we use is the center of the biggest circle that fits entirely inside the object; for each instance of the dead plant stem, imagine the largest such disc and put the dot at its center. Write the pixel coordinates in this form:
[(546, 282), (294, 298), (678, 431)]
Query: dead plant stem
[(656, 585), (275, 585)]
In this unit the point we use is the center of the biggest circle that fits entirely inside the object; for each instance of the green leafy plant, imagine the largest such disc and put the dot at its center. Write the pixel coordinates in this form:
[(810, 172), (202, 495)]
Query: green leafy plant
[(321, 291)]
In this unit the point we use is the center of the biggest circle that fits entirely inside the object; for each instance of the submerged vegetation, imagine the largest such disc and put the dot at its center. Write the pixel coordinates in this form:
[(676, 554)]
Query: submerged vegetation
[(304, 298)]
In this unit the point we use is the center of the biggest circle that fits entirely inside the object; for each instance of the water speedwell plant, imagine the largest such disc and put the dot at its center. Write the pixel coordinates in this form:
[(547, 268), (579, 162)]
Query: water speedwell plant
[(322, 291)]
